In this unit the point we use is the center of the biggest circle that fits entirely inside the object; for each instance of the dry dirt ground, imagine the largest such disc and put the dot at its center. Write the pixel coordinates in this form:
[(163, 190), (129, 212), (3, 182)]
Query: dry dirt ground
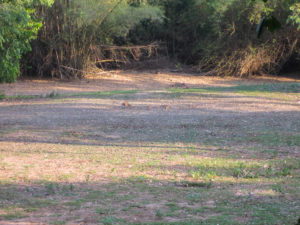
[(150, 148), (128, 80)]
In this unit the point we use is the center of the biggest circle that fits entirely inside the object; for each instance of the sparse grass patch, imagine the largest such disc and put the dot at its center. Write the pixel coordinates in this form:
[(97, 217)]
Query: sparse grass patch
[(104, 94), (8, 194), (195, 197), (214, 168), (75, 204), (59, 222), (127, 94), (173, 206), (14, 215), (104, 211), (22, 97), (246, 89), (276, 139), (51, 188), (278, 91), (110, 220), (207, 184)]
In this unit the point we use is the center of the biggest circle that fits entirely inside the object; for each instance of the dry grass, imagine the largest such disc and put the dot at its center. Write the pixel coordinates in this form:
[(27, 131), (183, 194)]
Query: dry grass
[(223, 153)]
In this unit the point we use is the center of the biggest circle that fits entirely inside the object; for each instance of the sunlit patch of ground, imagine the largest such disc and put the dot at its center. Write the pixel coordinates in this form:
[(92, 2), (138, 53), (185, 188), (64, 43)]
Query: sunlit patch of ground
[(215, 154), (128, 80)]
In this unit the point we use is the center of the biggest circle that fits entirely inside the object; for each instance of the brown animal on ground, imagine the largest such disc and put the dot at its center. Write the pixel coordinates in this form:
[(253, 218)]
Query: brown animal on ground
[(165, 107), (126, 105)]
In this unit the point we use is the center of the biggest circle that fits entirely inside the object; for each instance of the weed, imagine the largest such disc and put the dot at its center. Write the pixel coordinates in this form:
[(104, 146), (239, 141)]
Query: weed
[(278, 188), (173, 206), (204, 172), (275, 154), (67, 189), (159, 214), (285, 171), (178, 66), (195, 197), (51, 188), (110, 220), (104, 211), (240, 170)]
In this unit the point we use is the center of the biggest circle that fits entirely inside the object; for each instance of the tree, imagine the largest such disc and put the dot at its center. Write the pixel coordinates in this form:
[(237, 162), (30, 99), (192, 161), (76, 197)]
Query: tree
[(18, 27)]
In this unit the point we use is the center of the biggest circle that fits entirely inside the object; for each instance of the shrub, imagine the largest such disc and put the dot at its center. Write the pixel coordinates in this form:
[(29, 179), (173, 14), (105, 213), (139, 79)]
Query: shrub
[(17, 28), (237, 51), (220, 35), (74, 32)]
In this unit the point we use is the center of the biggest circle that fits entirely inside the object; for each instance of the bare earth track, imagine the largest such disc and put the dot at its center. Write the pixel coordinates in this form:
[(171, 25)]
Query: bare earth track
[(150, 148)]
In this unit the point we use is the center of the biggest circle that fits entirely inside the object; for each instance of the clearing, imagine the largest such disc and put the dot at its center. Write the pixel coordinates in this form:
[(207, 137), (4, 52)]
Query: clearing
[(150, 148)]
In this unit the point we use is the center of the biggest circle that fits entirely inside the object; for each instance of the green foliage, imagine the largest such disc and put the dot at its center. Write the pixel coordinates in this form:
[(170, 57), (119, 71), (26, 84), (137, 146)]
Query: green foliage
[(271, 22), (109, 18), (17, 28), (295, 16), (218, 35)]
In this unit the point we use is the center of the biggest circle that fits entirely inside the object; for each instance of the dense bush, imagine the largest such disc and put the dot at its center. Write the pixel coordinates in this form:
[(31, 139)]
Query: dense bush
[(74, 31), (214, 35), (220, 35), (237, 51)]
